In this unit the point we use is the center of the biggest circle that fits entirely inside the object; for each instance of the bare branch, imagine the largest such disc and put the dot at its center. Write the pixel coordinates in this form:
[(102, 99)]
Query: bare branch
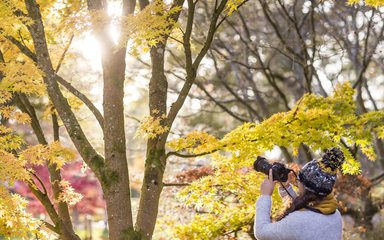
[(40, 182), (378, 178), (226, 16), (189, 155), (64, 53), (51, 227), (229, 89), (83, 98), (192, 66), (201, 86)]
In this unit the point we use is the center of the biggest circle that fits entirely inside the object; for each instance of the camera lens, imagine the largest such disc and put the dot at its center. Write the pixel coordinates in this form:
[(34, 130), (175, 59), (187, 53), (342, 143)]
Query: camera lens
[(279, 171), (261, 165)]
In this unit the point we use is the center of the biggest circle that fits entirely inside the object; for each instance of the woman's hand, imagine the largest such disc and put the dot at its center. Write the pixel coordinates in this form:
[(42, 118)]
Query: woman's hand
[(291, 179), (267, 186)]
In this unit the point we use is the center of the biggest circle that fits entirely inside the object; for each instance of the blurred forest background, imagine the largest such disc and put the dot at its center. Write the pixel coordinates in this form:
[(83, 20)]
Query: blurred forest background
[(187, 66)]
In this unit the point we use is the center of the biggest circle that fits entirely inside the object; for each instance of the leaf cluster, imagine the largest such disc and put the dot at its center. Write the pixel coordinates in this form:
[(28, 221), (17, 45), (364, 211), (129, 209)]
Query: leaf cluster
[(371, 3), (15, 221), (53, 154), (150, 127), (232, 6)]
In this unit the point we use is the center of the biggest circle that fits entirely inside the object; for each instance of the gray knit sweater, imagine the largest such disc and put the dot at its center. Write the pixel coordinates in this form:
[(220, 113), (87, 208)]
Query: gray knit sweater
[(306, 225)]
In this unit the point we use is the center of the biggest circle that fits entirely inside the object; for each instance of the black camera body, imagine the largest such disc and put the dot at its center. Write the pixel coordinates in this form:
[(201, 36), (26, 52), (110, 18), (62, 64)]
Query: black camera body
[(279, 171)]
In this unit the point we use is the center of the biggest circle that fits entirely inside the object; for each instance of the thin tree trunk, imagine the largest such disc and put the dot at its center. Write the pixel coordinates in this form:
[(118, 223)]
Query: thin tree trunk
[(287, 155), (62, 219), (155, 157), (380, 151), (55, 178), (304, 154), (151, 189)]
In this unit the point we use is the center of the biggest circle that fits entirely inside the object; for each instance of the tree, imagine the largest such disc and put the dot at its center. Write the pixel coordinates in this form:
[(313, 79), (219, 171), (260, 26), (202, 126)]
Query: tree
[(30, 39), (36, 34)]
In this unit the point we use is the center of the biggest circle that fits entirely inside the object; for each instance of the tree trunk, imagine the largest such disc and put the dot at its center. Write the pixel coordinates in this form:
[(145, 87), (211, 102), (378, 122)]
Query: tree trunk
[(287, 155), (380, 151), (65, 224), (115, 180), (151, 189), (115, 177), (155, 157), (304, 154), (55, 178)]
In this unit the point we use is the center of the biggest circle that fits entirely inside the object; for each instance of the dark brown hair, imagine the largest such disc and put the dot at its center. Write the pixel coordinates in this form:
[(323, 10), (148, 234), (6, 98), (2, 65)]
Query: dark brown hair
[(300, 202)]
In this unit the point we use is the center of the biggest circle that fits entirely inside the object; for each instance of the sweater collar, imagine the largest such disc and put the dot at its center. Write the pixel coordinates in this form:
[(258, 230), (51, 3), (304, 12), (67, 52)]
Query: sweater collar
[(326, 206)]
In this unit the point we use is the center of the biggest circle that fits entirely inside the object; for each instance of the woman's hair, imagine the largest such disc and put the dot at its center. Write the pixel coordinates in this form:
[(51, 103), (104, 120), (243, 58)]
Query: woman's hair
[(300, 202)]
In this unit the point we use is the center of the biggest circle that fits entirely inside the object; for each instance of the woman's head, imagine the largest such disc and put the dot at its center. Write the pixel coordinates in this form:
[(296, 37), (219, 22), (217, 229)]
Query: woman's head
[(316, 180), (319, 176)]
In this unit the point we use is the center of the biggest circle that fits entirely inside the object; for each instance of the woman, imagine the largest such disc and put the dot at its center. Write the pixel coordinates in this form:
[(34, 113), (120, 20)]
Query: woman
[(312, 214)]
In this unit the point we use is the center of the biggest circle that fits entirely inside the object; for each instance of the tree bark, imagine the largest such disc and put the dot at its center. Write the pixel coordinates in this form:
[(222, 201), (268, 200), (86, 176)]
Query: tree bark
[(155, 156), (304, 154), (55, 178), (286, 154), (116, 185), (115, 180)]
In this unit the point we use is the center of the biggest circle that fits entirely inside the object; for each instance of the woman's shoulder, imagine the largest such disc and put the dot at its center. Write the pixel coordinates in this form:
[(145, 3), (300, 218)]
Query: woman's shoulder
[(311, 216), (313, 221), (312, 225)]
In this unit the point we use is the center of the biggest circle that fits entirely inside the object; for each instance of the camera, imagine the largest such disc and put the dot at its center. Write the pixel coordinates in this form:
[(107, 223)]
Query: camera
[(279, 171)]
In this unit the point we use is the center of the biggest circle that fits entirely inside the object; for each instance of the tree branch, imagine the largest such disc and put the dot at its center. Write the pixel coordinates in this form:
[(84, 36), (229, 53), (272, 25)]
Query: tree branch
[(226, 16), (99, 117), (26, 51), (64, 53), (25, 106), (40, 181), (366, 56), (86, 150), (377, 179), (201, 86), (51, 227), (266, 70), (192, 66), (46, 202), (230, 90), (190, 155)]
